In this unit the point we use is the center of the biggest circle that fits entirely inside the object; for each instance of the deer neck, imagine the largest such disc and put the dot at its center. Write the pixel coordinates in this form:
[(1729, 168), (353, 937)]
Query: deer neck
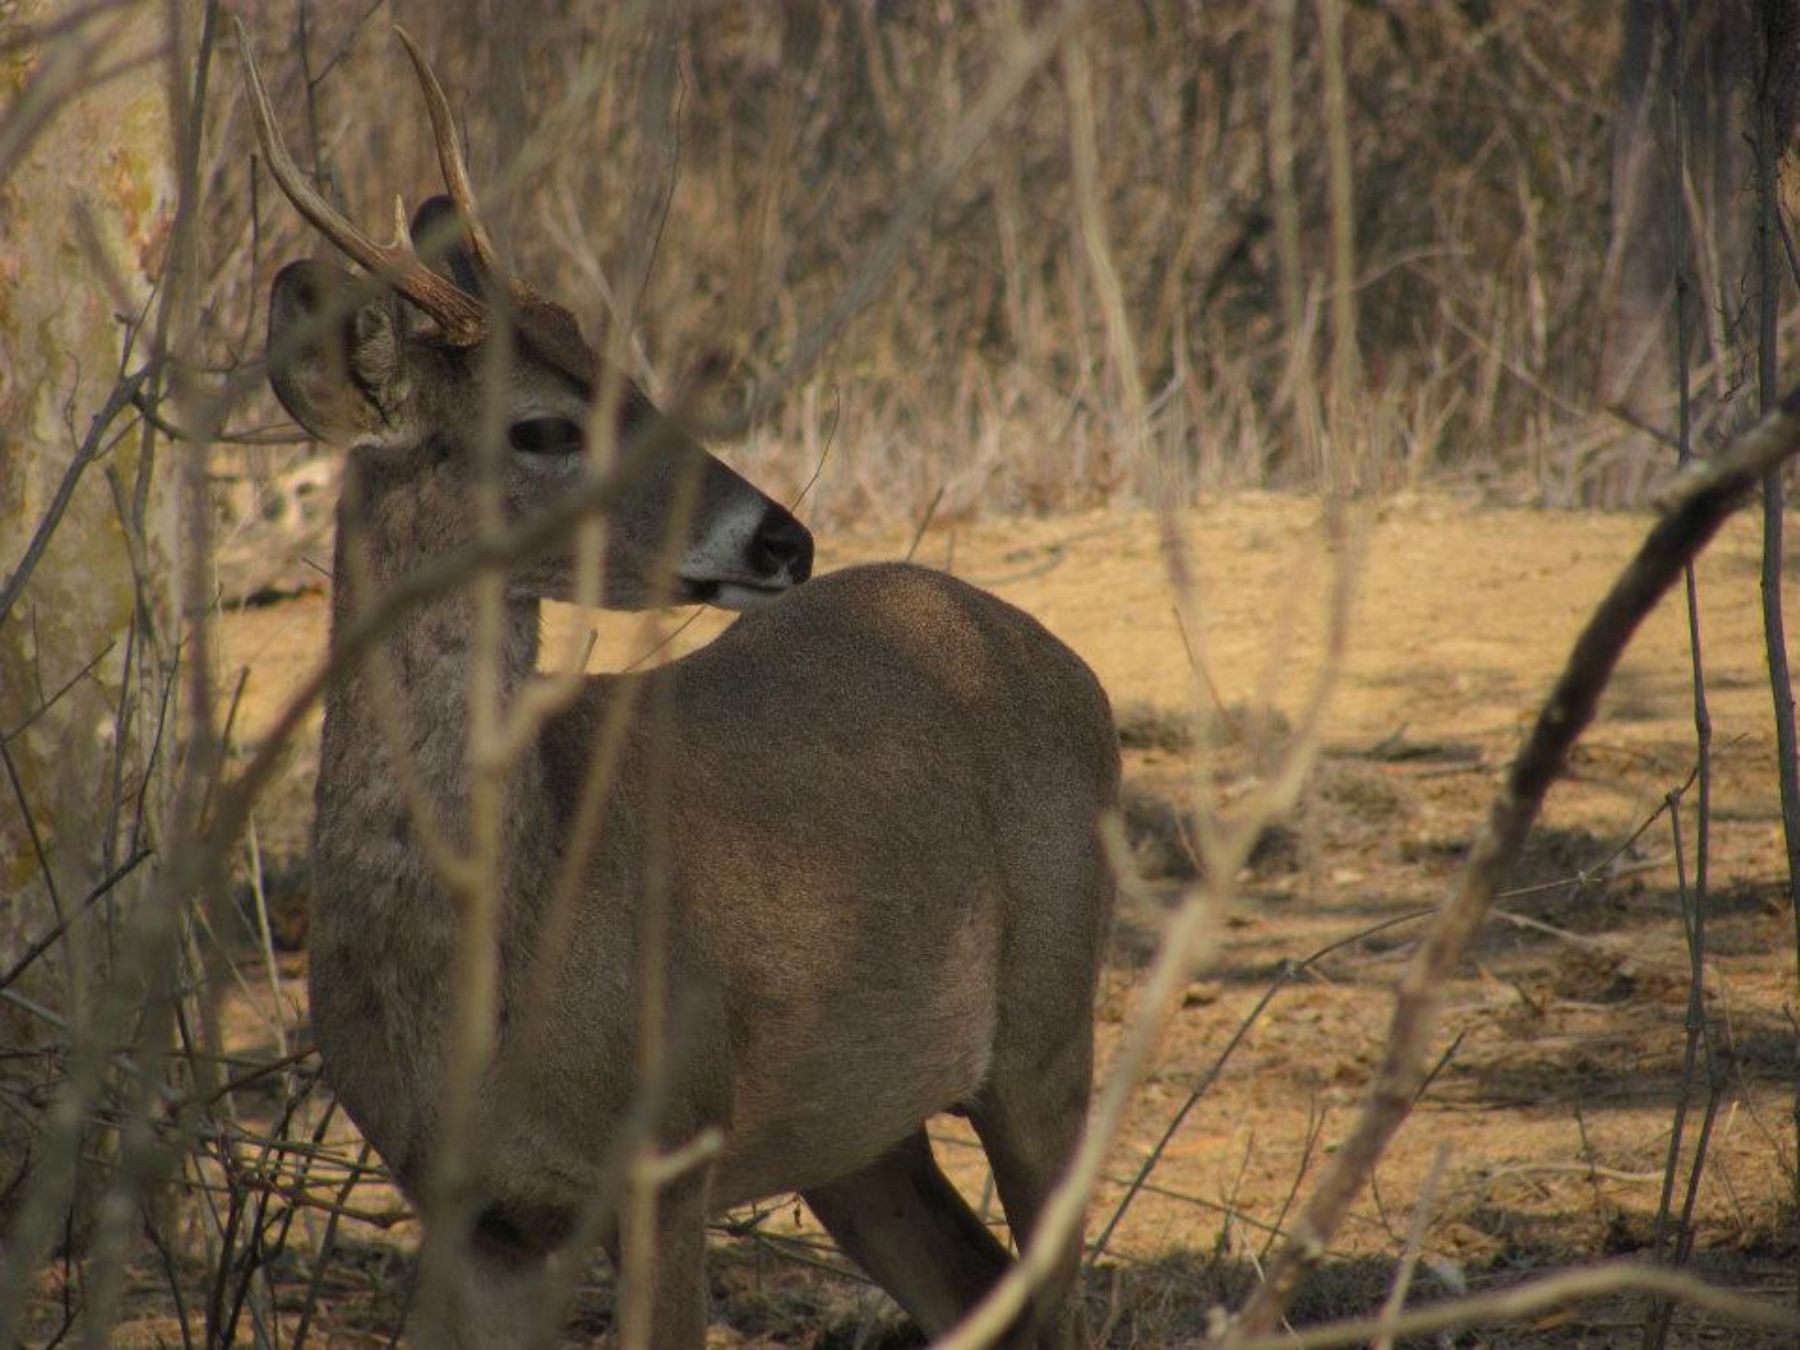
[(412, 700)]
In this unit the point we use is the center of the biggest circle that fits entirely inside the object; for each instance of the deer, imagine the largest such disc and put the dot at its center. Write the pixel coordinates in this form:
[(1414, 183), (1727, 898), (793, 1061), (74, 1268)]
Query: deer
[(871, 813)]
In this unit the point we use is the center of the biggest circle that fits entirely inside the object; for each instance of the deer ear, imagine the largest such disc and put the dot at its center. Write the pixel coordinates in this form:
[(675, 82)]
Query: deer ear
[(440, 235), (338, 367)]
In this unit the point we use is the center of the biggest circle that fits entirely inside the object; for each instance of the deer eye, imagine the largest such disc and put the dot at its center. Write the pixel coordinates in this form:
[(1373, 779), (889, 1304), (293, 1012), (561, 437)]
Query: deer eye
[(545, 436)]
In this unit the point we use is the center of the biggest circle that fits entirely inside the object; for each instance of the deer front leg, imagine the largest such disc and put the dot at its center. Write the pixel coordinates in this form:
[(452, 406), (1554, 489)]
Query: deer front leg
[(661, 1260), (497, 1295)]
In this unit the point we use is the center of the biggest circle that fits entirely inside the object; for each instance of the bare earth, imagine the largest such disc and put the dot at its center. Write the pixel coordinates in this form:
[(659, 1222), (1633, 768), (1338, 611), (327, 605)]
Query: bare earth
[(1565, 1036)]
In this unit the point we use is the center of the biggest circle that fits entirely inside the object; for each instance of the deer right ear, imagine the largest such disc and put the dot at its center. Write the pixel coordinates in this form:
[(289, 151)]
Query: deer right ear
[(338, 367)]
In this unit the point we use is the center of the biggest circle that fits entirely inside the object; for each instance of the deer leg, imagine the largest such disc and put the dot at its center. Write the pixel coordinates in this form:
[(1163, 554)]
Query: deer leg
[(1030, 1117), (673, 1294), (496, 1297), (902, 1221)]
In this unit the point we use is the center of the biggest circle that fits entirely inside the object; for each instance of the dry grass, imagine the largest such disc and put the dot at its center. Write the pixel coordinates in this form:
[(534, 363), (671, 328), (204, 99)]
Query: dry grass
[(979, 379)]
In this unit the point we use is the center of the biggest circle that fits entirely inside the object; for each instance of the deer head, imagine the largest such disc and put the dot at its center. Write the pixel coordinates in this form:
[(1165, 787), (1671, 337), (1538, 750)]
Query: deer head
[(398, 368)]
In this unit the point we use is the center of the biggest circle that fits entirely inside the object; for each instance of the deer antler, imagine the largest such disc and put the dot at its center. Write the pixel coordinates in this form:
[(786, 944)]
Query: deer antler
[(550, 327), (456, 177), (450, 157), (462, 317)]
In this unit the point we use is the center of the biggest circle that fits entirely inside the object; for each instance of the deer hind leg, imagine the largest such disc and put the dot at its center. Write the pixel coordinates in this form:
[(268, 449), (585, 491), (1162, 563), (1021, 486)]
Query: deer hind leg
[(674, 1299), (902, 1221), (1030, 1117), (1032, 1111)]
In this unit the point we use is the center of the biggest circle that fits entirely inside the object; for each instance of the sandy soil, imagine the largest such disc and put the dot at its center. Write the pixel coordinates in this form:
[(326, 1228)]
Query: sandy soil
[(1551, 1114)]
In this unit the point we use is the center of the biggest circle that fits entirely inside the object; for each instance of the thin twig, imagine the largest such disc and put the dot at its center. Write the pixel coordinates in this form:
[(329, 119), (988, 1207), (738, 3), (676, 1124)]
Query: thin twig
[(121, 398), (1290, 971), (1775, 66), (37, 841), (56, 697), (41, 945), (1519, 1303), (322, 1260), (1415, 1245)]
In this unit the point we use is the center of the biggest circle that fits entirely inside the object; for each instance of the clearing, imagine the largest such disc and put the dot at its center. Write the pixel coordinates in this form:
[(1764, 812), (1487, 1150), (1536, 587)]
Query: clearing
[(1565, 1038)]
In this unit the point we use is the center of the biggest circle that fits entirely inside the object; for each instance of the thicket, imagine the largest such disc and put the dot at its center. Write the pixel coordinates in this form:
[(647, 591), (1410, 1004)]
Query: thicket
[(979, 378)]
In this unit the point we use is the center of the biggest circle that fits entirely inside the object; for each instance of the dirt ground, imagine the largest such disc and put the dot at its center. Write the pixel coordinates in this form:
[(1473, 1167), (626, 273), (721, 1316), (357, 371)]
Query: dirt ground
[(1564, 1044)]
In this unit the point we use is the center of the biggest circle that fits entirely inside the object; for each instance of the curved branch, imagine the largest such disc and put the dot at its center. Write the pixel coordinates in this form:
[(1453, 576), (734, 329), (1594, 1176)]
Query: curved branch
[(1699, 505)]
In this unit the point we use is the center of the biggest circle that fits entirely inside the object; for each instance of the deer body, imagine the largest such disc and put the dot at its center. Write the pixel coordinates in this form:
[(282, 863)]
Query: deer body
[(865, 820), (845, 894)]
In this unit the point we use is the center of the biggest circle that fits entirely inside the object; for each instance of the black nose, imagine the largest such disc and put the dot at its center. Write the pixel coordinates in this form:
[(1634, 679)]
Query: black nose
[(782, 544)]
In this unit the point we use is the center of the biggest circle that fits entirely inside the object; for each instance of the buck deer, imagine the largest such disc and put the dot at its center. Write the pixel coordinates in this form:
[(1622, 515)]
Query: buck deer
[(884, 892)]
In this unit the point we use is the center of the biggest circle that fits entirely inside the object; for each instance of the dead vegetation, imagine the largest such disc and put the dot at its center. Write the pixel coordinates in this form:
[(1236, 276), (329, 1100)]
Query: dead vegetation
[(978, 397), (978, 380), (1561, 1050)]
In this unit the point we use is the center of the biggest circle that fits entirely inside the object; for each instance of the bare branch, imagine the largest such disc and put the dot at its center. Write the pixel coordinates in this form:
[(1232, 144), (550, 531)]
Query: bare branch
[(1701, 506)]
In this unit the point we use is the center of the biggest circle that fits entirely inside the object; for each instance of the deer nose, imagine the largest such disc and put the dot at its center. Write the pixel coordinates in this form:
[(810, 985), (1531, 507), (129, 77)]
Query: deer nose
[(782, 544)]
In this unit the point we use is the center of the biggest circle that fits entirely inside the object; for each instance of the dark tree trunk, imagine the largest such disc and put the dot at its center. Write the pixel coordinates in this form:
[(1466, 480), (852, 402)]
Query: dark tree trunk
[(1718, 117)]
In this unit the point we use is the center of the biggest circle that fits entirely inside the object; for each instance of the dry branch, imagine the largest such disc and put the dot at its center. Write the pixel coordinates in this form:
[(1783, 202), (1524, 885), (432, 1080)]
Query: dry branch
[(1698, 508), (1517, 1304)]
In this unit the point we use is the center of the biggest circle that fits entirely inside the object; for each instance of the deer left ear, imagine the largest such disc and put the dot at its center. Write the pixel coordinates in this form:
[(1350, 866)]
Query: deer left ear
[(339, 369), (441, 236)]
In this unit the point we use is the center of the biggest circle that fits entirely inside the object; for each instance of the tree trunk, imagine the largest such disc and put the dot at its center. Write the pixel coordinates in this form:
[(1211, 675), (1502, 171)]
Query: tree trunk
[(87, 633), (1713, 104)]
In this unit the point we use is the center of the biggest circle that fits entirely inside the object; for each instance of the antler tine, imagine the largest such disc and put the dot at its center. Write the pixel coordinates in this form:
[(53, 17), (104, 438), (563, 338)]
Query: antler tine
[(462, 317), (455, 169)]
